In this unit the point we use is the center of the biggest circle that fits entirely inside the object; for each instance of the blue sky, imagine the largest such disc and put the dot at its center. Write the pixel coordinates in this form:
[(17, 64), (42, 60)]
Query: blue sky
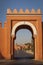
[(5, 4), (23, 36)]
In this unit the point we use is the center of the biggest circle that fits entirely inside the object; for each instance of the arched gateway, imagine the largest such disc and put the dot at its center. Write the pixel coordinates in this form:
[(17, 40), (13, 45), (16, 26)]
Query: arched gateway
[(23, 24), (15, 21)]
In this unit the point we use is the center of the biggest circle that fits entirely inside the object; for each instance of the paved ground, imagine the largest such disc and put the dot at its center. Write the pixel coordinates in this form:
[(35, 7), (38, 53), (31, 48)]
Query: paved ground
[(22, 53), (21, 62)]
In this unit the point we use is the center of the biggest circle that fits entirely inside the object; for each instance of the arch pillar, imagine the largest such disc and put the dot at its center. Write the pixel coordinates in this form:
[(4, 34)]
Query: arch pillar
[(35, 47), (12, 47), (38, 55)]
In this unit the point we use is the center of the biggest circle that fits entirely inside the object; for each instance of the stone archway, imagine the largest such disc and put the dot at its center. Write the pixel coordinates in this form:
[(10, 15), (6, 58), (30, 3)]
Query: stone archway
[(24, 23), (19, 24)]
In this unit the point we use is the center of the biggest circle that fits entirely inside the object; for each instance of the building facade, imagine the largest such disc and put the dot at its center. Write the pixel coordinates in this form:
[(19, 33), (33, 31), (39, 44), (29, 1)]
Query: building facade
[(16, 20)]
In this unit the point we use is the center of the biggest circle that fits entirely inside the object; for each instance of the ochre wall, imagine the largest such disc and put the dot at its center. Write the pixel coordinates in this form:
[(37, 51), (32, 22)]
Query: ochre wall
[(42, 37), (0, 35), (5, 34), (37, 22), (6, 38), (3, 41)]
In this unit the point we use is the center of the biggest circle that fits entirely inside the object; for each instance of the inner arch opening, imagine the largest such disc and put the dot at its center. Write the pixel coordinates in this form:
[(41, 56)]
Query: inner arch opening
[(24, 48)]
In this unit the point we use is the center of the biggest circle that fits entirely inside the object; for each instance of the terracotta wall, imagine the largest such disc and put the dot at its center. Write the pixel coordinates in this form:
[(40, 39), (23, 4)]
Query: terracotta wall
[(0, 35), (34, 20), (6, 43), (5, 35), (1, 40), (42, 37), (5, 39)]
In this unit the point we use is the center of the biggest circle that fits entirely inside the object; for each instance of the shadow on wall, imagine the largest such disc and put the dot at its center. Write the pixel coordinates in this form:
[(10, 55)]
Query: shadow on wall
[(1, 56)]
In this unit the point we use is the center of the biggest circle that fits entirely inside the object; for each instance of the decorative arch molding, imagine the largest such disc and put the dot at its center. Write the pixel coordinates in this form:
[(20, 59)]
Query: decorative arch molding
[(24, 23)]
